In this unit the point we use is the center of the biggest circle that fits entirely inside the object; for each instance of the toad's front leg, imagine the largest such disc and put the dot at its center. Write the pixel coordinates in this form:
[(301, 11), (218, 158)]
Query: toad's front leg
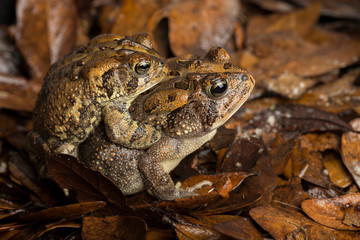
[(123, 130), (164, 156)]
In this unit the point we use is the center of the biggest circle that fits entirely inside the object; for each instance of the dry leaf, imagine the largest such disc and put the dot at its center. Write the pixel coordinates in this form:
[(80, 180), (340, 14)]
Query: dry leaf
[(220, 183), (278, 222), (88, 184), (350, 149), (331, 212), (337, 172), (196, 26), (67, 212), (320, 142), (241, 229), (113, 227), (31, 36)]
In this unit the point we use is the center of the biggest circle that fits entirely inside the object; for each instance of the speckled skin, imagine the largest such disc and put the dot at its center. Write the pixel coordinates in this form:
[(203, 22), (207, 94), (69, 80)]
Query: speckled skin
[(202, 94), (96, 82)]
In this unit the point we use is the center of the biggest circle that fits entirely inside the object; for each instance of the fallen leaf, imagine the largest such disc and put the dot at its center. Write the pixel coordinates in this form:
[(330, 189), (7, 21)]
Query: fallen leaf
[(334, 8), (288, 85), (88, 184), (9, 61), (241, 228), (25, 173), (31, 36), (307, 165), (220, 183), (298, 48), (290, 195), (332, 211), (298, 119), (336, 96), (299, 21), (263, 184), (277, 221), (234, 202), (135, 14), (320, 141), (338, 173), (68, 212), (113, 227), (197, 228), (62, 20), (17, 93), (61, 224), (196, 26), (350, 149)]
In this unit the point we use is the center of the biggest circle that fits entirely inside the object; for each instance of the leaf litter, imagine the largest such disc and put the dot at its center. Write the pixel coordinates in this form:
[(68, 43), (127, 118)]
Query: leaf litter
[(287, 169)]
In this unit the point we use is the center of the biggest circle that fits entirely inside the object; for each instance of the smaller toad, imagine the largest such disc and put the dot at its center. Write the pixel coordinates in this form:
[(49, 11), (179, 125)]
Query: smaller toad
[(201, 96)]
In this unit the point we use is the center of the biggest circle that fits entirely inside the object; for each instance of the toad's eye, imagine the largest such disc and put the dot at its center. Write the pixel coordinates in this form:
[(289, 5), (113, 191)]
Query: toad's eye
[(142, 67), (218, 88)]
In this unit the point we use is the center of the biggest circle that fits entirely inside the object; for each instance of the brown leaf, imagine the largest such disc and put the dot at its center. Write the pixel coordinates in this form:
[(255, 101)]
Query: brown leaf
[(241, 229), (307, 165), (159, 234), (17, 93), (68, 212), (196, 26), (220, 183), (338, 173), (296, 119), (197, 228), (88, 184), (31, 36), (187, 203), (9, 62), (304, 51), (242, 155), (135, 14), (332, 211), (350, 149), (25, 173), (316, 232), (8, 125), (290, 195), (61, 224), (299, 22), (336, 96), (334, 8), (234, 202), (222, 139), (288, 85), (279, 222), (274, 5), (113, 227), (61, 23), (320, 142), (263, 184)]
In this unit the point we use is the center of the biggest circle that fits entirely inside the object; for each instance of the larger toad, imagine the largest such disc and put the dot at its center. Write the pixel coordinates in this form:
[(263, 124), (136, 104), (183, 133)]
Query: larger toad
[(96, 82), (188, 109)]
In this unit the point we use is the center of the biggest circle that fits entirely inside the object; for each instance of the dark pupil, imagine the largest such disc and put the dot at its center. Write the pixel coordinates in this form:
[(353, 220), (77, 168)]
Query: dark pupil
[(219, 88), (142, 68)]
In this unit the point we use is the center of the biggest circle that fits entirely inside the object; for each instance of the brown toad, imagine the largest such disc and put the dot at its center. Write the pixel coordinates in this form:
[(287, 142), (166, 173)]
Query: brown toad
[(96, 82), (188, 109)]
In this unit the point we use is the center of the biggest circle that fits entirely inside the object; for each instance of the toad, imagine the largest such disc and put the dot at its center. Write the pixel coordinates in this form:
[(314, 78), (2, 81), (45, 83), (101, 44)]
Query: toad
[(96, 82)]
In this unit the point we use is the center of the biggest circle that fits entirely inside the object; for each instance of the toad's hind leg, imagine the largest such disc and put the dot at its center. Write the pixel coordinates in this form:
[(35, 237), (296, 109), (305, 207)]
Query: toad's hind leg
[(117, 163)]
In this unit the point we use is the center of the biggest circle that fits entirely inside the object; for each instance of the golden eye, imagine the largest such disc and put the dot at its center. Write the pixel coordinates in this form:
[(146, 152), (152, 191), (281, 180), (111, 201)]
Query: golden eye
[(218, 88), (142, 67)]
